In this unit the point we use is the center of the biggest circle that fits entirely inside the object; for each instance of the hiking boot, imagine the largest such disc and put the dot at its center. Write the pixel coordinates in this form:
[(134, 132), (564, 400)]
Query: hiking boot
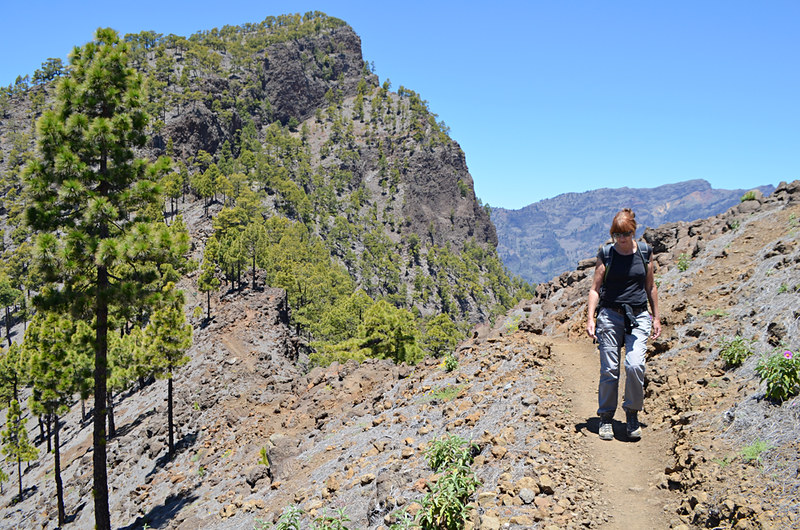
[(606, 430), (633, 427)]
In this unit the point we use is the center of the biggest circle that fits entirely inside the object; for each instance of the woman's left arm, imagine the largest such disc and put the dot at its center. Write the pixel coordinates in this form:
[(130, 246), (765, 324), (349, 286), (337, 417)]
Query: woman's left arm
[(652, 296)]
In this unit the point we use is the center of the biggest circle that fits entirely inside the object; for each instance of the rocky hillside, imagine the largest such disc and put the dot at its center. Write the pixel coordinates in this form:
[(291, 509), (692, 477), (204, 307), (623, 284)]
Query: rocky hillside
[(548, 237), (733, 278), (285, 119), (258, 434)]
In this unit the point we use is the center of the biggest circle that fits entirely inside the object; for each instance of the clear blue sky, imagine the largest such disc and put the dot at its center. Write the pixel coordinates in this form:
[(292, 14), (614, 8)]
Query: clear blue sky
[(544, 97)]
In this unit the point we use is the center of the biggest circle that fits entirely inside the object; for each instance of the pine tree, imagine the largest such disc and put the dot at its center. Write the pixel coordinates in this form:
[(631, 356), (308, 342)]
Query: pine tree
[(441, 335), (91, 201), (254, 240), (3, 478), (169, 337), (47, 342), (81, 359), (12, 374), (8, 297), (16, 446), (390, 333), (208, 282)]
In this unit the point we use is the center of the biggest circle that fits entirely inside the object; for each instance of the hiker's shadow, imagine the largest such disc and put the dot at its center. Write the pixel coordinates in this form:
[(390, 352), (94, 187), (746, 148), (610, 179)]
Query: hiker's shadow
[(592, 425)]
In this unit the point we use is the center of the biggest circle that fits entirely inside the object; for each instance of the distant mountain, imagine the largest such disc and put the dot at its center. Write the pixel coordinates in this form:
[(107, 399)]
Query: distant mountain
[(548, 237)]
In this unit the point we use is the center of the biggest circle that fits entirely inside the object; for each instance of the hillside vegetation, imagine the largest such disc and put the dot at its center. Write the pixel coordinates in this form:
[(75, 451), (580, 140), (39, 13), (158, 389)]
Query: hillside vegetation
[(248, 312), (312, 174), (156, 175)]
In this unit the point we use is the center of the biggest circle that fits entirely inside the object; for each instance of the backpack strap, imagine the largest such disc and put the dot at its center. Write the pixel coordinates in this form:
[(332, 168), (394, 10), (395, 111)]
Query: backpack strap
[(607, 259), (642, 248)]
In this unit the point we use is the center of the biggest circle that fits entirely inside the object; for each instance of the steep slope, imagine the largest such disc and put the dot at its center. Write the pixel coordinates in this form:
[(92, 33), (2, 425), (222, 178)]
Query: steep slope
[(549, 237), (350, 436), (735, 454), (281, 127), (354, 436)]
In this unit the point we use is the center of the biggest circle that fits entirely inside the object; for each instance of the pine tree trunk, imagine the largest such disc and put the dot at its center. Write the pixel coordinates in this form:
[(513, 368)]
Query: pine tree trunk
[(100, 474), (19, 475), (208, 312), (8, 326), (112, 428), (62, 515), (83, 409), (41, 428), (169, 416), (47, 420), (254, 271)]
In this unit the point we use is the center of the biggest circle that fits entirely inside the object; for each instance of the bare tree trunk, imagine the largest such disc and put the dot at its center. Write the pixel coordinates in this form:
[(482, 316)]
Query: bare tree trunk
[(100, 474), (112, 429), (19, 475), (41, 428), (170, 425), (47, 420), (62, 515), (8, 326)]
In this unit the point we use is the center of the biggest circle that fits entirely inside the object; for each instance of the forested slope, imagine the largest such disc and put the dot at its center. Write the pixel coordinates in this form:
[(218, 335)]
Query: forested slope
[(284, 132), (157, 176)]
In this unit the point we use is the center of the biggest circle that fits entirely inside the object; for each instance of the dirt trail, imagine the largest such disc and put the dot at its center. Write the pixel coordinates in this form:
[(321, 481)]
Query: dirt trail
[(628, 471)]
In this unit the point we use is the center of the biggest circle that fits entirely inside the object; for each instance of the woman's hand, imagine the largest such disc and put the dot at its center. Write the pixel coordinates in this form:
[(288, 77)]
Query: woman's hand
[(656, 331)]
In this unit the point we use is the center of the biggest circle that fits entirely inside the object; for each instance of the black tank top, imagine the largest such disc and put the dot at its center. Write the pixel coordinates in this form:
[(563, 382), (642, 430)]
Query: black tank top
[(624, 283)]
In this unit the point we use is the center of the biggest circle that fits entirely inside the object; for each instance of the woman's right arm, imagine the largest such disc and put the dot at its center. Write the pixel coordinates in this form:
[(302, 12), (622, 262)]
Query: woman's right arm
[(594, 297)]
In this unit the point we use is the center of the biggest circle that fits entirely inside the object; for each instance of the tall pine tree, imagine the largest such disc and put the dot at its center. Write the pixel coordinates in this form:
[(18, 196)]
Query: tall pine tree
[(169, 337), (16, 446), (92, 202), (12, 374), (47, 342)]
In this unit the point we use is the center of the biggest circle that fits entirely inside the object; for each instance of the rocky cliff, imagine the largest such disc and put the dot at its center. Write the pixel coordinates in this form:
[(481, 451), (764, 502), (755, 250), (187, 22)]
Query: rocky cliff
[(290, 107), (549, 237)]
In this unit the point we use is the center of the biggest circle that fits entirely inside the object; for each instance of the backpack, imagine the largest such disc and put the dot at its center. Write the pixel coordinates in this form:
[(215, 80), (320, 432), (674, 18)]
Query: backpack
[(642, 248)]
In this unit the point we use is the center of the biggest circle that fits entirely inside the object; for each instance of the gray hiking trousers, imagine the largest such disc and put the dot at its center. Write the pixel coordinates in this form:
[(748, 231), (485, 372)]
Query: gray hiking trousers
[(611, 337)]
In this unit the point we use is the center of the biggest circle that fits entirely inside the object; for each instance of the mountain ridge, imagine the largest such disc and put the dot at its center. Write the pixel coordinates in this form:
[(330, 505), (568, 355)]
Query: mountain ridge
[(548, 237)]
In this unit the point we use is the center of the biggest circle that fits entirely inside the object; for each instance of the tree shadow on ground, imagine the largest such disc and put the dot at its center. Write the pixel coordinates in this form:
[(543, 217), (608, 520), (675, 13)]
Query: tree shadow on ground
[(128, 427), (182, 444), (159, 516)]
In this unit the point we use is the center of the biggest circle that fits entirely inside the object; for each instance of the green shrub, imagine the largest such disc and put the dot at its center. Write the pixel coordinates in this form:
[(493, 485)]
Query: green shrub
[(449, 450), (289, 520), (331, 522), (446, 506), (781, 371), (404, 521), (513, 324), (264, 457), (749, 196), (734, 351), (755, 450), (683, 262), (450, 363), (444, 393)]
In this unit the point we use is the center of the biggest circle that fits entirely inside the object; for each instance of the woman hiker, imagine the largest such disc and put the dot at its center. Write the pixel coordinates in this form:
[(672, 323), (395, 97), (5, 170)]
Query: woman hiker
[(623, 284)]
